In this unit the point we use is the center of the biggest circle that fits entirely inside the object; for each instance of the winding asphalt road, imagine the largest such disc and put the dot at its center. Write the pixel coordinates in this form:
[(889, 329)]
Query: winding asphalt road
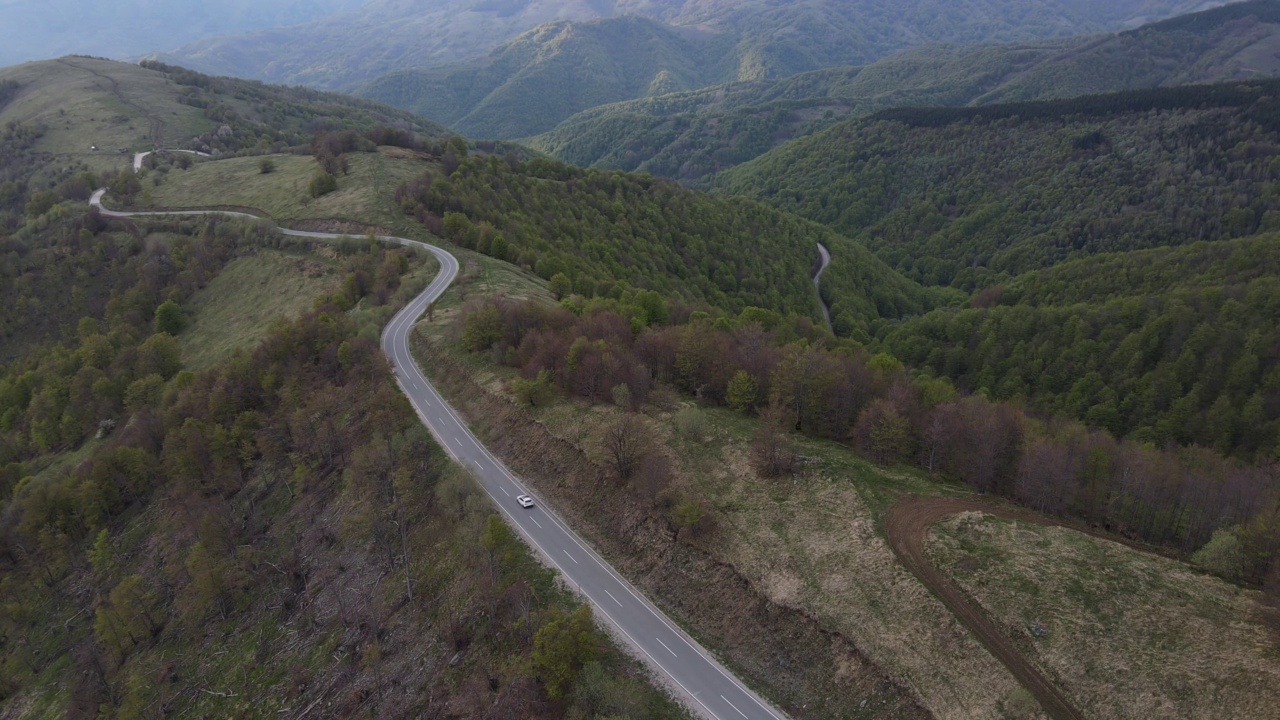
[(817, 284), (708, 688)]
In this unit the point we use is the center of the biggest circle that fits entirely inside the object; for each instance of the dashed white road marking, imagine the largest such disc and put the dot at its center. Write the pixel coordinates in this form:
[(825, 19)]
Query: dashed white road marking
[(505, 491), (535, 522), (673, 652), (575, 560), (735, 707), (606, 592)]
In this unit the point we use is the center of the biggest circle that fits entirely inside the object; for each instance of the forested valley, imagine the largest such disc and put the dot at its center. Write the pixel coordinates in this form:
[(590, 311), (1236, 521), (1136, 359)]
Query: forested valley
[(1119, 251), (599, 233), (1069, 305)]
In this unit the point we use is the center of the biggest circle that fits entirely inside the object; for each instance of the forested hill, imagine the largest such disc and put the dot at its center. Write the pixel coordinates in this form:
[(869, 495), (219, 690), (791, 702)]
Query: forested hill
[(68, 126), (692, 135), (965, 196), (1117, 247), (605, 234), (541, 77)]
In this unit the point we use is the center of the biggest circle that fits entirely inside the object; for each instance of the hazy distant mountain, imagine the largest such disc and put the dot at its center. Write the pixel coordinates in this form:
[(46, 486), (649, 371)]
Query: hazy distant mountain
[(382, 36), (40, 29), (692, 134), (763, 38), (546, 74)]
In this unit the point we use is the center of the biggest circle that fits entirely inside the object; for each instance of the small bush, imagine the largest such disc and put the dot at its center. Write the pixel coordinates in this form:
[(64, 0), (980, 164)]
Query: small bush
[(691, 424), (322, 184)]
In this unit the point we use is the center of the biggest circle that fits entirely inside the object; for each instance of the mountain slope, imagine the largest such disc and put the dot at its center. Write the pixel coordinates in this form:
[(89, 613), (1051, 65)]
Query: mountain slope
[(543, 76), (76, 114), (1109, 241), (690, 135), (214, 516), (762, 39), (955, 195), (383, 36)]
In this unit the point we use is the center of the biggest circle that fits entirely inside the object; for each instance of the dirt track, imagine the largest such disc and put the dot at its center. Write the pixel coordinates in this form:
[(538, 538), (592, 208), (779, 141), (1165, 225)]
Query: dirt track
[(907, 527)]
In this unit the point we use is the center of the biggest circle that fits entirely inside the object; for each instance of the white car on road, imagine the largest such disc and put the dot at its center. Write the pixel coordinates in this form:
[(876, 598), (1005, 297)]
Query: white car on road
[(525, 501)]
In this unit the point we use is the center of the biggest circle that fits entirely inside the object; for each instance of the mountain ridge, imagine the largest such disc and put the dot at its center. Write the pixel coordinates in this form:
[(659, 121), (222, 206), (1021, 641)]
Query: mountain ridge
[(691, 135), (765, 39)]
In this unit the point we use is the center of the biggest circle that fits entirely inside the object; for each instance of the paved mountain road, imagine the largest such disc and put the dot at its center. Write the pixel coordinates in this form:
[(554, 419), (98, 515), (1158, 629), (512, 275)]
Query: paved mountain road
[(709, 689), (817, 284)]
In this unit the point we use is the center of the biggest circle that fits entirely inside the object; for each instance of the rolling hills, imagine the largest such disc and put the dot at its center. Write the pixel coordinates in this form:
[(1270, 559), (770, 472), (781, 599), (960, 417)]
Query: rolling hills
[(528, 85), (692, 135), (761, 39), (267, 530)]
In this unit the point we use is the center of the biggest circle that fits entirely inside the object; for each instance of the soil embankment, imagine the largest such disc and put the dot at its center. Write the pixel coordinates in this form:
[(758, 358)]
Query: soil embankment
[(907, 527)]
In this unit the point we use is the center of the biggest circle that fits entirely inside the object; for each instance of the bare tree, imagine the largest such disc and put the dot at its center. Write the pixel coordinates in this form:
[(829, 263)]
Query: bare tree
[(625, 441), (772, 450)]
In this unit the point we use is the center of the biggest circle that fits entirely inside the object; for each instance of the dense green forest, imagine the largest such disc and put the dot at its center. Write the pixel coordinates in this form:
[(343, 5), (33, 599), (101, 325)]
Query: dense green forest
[(692, 135), (605, 233), (1118, 247), (1174, 345), (965, 196), (758, 363)]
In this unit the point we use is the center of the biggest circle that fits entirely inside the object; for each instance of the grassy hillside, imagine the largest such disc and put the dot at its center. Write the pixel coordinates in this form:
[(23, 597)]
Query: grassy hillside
[(1104, 618), (238, 308), (692, 135), (366, 194), (64, 118)]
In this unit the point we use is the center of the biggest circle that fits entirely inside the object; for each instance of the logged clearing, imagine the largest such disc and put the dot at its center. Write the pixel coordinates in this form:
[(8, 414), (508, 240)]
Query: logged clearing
[(1129, 634), (237, 308), (814, 544), (366, 194)]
